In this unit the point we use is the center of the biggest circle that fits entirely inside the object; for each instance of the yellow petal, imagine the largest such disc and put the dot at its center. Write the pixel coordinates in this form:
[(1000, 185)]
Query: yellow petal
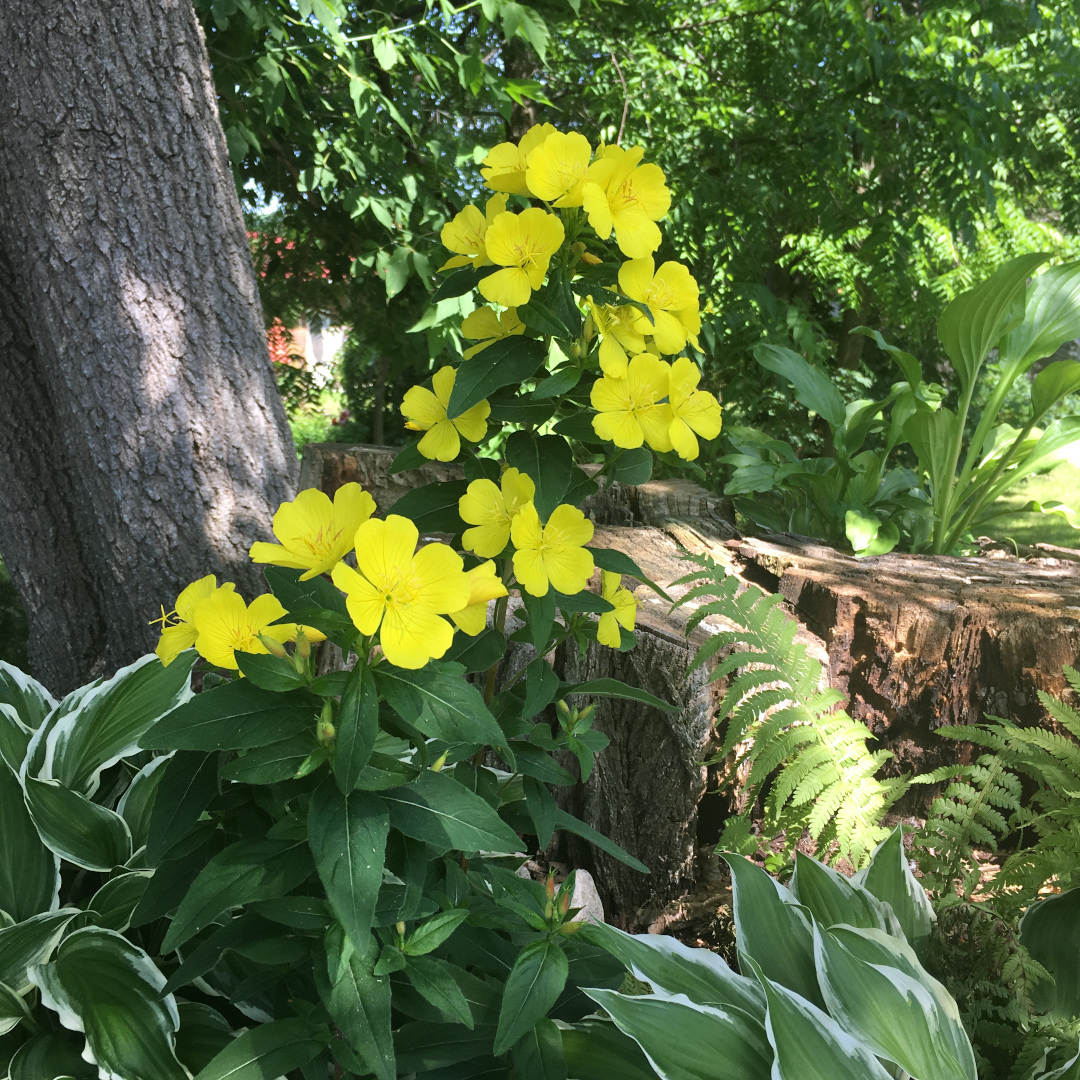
[(655, 424), (517, 490), (264, 610), (536, 135), (472, 424), (635, 278), (569, 569), (607, 630), (487, 541), (441, 443), (621, 428), (365, 603), (481, 323), (195, 592), (412, 634), (384, 550), (482, 503), (594, 200), (683, 441), (612, 357), (568, 525), (352, 507), (422, 408), (442, 382), (509, 287), (609, 582), (443, 583), (636, 235), (505, 169), (668, 332), (174, 640), (530, 571), (556, 168)]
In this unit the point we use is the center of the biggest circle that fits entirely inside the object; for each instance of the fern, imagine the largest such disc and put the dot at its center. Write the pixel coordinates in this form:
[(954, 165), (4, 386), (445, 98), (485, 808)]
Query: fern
[(805, 758)]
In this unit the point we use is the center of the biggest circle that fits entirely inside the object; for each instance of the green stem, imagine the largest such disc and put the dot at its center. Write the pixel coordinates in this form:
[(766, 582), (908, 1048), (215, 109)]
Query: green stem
[(945, 506)]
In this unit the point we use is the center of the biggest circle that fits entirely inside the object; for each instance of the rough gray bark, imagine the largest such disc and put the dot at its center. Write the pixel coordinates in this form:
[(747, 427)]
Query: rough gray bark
[(142, 441)]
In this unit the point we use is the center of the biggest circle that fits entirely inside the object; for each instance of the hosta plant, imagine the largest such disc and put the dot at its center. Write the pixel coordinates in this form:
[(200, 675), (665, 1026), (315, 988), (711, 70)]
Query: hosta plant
[(308, 871)]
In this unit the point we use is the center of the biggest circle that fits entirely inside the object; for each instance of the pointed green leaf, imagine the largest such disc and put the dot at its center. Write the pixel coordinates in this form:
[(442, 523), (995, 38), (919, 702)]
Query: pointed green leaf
[(1051, 317), (116, 900), (1050, 931), (563, 820), (107, 988), (14, 738), (432, 979), (30, 700), (188, 784), (51, 1054), (274, 673), (13, 1011), (266, 1051), (137, 803), (533, 986), (273, 763), (1054, 382), (347, 835), (831, 898), (614, 688), (888, 877), (813, 388), (508, 362), (433, 507), (598, 1050), (29, 871), (538, 1054), (78, 830), (30, 942), (203, 1034), (429, 935), (547, 459)]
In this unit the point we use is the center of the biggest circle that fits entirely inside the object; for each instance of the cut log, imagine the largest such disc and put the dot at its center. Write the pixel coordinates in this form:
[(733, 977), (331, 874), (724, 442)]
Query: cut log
[(914, 642)]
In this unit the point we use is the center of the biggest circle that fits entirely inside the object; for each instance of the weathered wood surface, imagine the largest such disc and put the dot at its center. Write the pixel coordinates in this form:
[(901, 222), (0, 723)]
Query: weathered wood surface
[(915, 642)]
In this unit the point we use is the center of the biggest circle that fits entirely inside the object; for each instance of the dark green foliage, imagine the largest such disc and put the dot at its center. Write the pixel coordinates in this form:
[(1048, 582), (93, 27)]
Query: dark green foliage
[(808, 761)]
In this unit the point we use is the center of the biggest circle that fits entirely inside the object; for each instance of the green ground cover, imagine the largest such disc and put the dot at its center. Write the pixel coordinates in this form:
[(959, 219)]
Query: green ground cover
[(1063, 484)]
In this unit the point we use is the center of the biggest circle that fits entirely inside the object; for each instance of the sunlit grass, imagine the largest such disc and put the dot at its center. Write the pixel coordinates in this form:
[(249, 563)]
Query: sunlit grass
[(1063, 485)]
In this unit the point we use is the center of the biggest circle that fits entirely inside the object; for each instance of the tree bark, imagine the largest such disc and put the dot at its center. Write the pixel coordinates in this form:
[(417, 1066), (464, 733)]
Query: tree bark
[(142, 441)]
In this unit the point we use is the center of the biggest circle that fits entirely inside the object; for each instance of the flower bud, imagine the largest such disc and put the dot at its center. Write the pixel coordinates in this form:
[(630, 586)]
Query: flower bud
[(564, 903), (590, 259), (549, 886), (440, 762), (303, 646), (563, 709), (273, 646), (400, 928)]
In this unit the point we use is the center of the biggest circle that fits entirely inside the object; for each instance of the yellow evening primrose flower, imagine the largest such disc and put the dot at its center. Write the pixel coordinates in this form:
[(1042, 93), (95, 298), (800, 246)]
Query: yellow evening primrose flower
[(622, 330), (553, 554), (523, 244), (486, 585), (227, 625), (671, 294), (425, 410), (692, 410), (491, 509), (314, 533), (556, 168), (506, 163), (181, 634), (485, 326), (607, 630), (403, 593), (621, 194), (629, 411), (465, 234)]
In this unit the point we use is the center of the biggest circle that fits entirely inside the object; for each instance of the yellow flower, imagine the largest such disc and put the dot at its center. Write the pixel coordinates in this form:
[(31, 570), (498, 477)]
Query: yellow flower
[(506, 163), (554, 553), (622, 330), (181, 634), (316, 534), (426, 411), (692, 410), (465, 234), (402, 592), (671, 294), (607, 630), (491, 509), (556, 168), (483, 323), (226, 625), (629, 410), (619, 193), (486, 585), (524, 244)]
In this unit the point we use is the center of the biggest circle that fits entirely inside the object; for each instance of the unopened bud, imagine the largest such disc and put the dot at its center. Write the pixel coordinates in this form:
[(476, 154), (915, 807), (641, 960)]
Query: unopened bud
[(303, 646), (586, 712), (440, 762), (563, 709), (569, 928), (589, 258), (325, 731), (549, 886), (400, 928), (273, 646), (564, 903)]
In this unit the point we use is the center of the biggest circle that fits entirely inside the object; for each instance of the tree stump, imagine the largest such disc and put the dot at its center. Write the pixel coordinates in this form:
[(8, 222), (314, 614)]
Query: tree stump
[(915, 642)]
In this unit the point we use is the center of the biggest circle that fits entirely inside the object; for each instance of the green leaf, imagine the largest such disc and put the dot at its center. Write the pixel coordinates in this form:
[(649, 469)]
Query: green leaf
[(107, 988), (30, 700), (203, 1034), (29, 871), (14, 1011), (888, 877), (538, 1054), (1050, 931), (432, 979), (541, 686), (250, 869), (51, 1054), (932, 436), (808, 1044), (268, 1050), (189, 782), (233, 716), (772, 928), (563, 820), (618, 563), (439, 701), (271, 764), (301, 597), (632, 466), (30, 942), (507, 362), (542, 809), (1055, 381), (397, 267), (534, 984), (359, 1003), (598, 1050), (877, 991), (907, 363), (116, 900), (429, 935), (687, 1041), (536, 315), (813, 388), (357, 727), (560, 382), (477, 653), (1051, 317), (96, 725), (972, 324), (269, 672), (614, 688), (14, 738), (347, 835), (433, 507), (136, 805), (831, 898), (578, 426), (78, 830), (460, 282), (674, 968), (541, 611), (440, 811), (548, 461)]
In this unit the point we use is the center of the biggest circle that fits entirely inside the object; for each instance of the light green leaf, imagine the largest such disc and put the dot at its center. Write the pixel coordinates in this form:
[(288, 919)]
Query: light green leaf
[(888, 877), (1050, 931), (532, 987), (440, 811), (107, 988), (538, 1054), (614, 688), (29, 871), (598, 1050), (30, 942), (808, 1044), (772, 928), (429, 935), (687, 1041), (878, 992), (347, 836), (78, 830), (932, 436), (269, 1050), (1055, 381), (813, 388), (974, 322), (907, 363), (1051, 317), (831, 898), (97, 725)]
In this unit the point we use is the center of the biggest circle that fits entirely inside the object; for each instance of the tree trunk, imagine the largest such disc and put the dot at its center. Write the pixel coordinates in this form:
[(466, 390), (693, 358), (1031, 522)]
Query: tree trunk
[(142, 441)]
